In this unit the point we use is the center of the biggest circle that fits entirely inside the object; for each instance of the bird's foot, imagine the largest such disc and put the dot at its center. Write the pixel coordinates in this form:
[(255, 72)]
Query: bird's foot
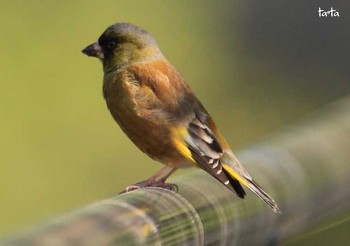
[(151, 183)]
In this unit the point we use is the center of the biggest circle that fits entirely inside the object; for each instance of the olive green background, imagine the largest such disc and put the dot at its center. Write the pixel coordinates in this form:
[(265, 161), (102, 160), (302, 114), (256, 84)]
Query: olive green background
[(257, 66)]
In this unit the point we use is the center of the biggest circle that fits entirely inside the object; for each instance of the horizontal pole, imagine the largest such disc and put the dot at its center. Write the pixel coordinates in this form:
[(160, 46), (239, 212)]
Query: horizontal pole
[(306, 169)]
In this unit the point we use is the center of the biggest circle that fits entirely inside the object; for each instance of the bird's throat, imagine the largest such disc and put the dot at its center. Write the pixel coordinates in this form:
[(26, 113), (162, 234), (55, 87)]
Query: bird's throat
[(129, 54)]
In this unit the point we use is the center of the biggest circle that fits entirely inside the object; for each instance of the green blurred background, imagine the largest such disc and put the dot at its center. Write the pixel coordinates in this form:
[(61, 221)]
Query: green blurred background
[(256, 65)]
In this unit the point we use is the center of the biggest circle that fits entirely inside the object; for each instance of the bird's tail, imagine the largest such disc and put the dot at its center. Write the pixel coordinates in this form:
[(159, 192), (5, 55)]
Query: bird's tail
[(248, 182), (257, 190)]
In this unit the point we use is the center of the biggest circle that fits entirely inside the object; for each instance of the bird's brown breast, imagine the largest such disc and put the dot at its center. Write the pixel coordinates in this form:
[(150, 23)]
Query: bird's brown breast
[(134, 96)]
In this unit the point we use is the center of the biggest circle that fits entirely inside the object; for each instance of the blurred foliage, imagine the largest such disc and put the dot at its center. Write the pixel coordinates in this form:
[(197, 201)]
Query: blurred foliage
[(256, 65)]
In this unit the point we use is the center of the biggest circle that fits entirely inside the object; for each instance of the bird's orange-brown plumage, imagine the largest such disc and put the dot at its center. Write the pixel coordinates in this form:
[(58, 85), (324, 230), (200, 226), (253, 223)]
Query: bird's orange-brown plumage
[(157, 110)]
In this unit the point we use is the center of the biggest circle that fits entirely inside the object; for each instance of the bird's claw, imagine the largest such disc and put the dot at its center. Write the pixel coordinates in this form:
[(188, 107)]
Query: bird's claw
[(151, 183)]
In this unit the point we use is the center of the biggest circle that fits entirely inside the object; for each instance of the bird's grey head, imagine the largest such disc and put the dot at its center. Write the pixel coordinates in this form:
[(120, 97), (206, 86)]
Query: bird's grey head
[(123, 43), (126, 32)]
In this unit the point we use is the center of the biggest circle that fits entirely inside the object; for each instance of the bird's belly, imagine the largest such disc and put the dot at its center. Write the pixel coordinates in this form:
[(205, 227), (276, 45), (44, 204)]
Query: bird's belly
[(153, 139), (152, 136)]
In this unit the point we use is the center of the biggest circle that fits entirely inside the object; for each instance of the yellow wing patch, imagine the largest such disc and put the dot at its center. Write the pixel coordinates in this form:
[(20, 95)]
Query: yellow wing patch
[(178, 137)]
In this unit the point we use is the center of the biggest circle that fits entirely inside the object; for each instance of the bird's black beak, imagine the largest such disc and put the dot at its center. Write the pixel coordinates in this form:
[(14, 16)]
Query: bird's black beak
[(94, 50)]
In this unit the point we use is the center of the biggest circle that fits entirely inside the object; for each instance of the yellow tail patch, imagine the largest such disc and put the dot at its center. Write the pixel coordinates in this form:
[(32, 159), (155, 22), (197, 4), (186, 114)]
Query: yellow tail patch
[(235, 175)]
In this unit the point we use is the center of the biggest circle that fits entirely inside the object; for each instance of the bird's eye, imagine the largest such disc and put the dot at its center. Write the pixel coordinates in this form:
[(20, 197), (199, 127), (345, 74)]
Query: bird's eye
[(111, 45)]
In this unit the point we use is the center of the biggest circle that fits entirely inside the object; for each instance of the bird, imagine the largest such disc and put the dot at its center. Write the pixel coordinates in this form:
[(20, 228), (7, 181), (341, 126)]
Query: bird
[(159, 112)]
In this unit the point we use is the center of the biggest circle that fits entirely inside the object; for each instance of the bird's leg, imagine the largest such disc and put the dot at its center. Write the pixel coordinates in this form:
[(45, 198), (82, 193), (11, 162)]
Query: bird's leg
[(169, 186), (156, 180), (166, 176), (160, 172)]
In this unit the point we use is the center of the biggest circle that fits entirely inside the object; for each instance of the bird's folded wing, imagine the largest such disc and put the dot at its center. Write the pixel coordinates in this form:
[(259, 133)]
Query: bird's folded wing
[(201, 144)]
